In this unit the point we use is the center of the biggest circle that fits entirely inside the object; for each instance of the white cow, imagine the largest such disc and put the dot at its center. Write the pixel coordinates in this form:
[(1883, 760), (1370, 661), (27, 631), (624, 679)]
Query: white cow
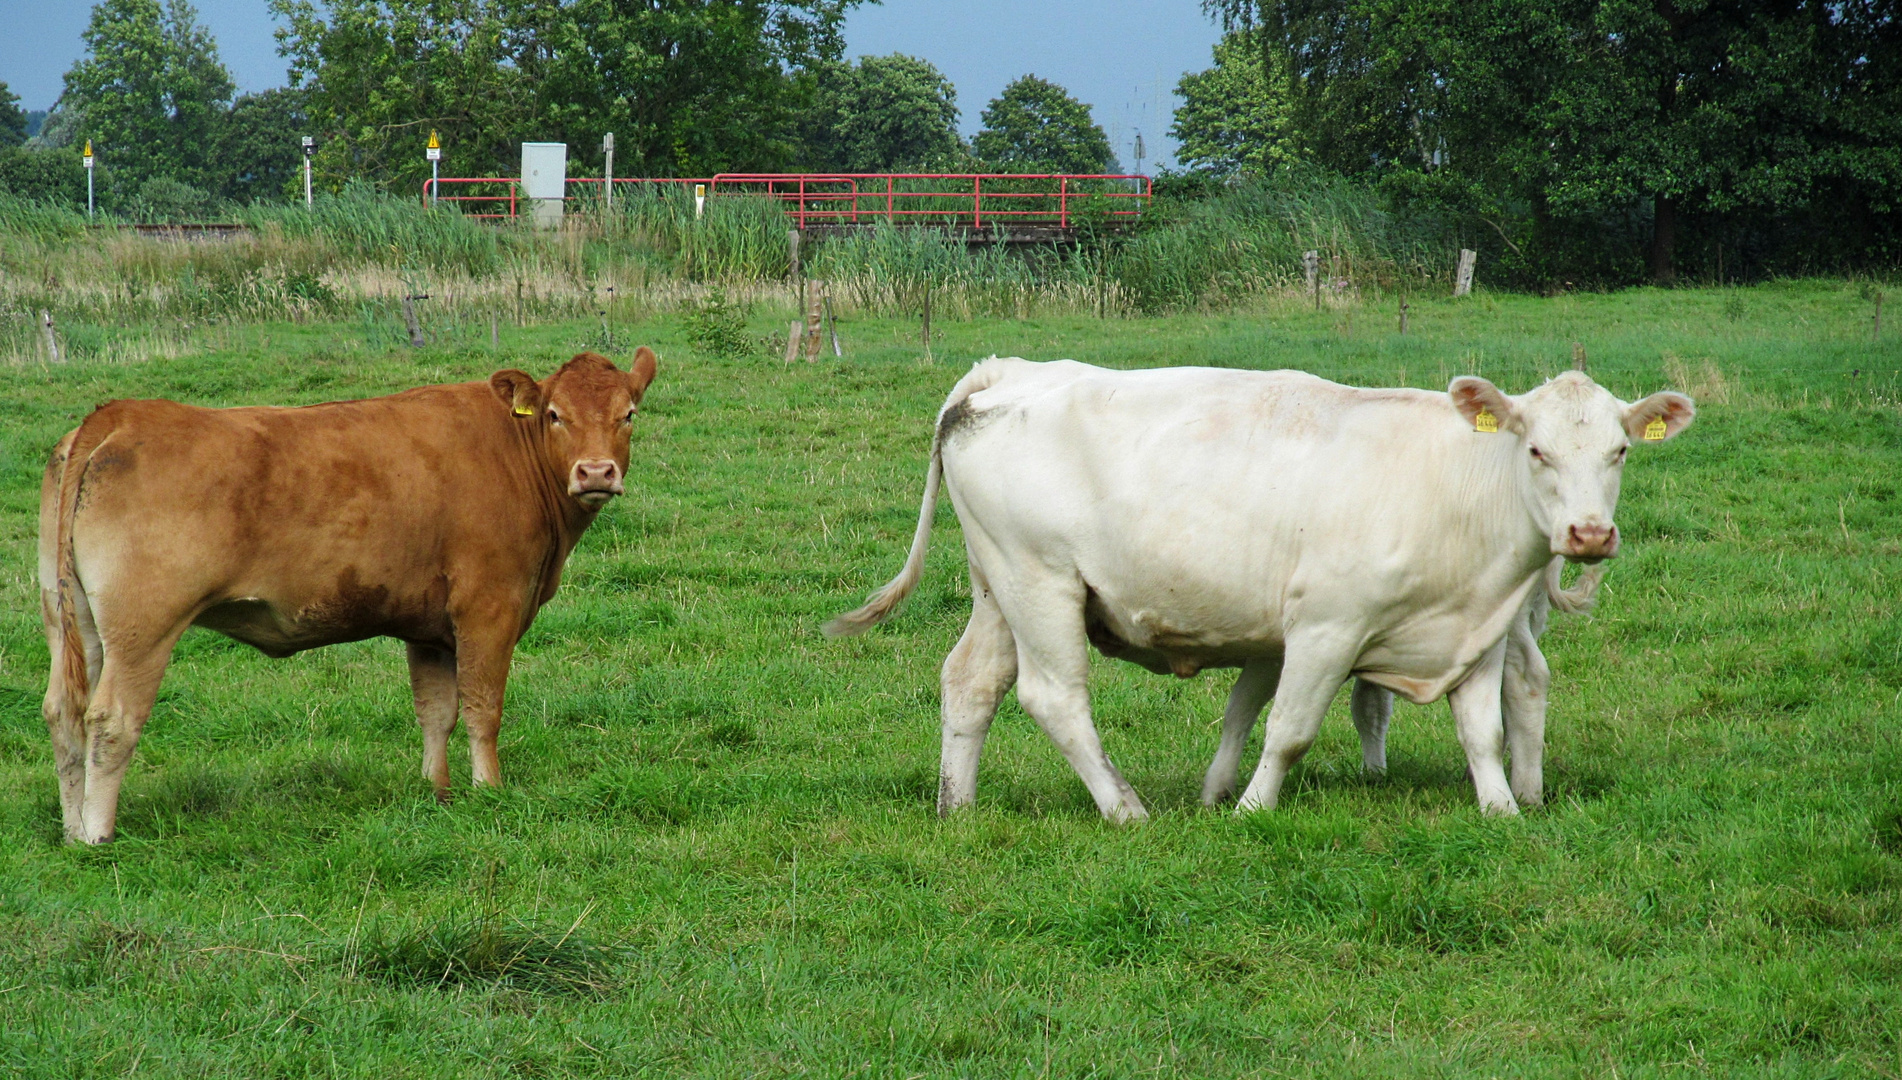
[(1187, 518)]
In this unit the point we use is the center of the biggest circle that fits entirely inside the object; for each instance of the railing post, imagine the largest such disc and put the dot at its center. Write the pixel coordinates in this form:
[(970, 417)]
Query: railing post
[(1063, 203), (890, 199), (977, 202)]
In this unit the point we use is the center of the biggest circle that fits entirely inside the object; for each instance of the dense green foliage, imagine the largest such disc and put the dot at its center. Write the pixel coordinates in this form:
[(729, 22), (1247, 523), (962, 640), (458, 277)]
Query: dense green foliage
[(1036, 126), (892, 113), (12, 121), (717, 857), (1608, 141), (150, 87), (1234, 117)]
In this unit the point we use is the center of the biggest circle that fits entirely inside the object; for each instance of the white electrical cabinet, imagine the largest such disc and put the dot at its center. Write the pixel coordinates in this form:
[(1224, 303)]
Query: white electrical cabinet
[(545, 180)]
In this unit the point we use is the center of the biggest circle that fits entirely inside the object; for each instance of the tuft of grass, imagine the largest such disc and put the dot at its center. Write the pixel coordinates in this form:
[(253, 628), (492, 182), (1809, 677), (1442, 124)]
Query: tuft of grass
[(485, 952)]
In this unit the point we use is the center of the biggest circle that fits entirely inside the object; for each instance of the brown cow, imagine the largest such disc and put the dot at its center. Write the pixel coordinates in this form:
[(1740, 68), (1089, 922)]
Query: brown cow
[(440, 516)]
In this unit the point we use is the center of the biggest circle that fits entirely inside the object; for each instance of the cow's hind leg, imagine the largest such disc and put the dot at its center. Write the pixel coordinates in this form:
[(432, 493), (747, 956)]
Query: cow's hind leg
[(1253, 687), (1053, 667), (1311, 674), (64, 710), (1372, 707), (120, 705), (976, 676), (432, 685)]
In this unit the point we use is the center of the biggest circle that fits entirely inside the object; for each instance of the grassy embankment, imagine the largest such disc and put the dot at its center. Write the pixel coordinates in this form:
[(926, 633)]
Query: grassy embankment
[(717, 854)]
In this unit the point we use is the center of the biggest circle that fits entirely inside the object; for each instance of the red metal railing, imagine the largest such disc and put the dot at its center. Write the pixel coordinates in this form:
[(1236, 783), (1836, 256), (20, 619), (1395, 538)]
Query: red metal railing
[(954, 199), (968, 200)]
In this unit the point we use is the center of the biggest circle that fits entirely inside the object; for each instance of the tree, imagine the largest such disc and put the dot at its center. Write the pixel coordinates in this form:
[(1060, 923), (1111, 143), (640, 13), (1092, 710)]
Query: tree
[(892, 113), (378, 75), (1234, 117), (12, 120), (150, 90), (1036, 126), (689, 87), (1549, 119), (259, 156)]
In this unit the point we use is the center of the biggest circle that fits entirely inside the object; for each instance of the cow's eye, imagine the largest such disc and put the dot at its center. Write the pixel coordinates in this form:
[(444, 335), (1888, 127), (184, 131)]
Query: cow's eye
[(629, 418), (1620, 456), (1536, 455), (554, 417)]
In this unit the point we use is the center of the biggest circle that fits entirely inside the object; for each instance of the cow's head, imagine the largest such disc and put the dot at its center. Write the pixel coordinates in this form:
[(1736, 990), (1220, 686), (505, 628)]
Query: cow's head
[(581, 417), (1572, 435)]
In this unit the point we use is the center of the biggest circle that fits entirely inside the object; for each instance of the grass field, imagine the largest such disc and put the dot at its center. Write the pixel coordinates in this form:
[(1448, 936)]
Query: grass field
[(717, 853)]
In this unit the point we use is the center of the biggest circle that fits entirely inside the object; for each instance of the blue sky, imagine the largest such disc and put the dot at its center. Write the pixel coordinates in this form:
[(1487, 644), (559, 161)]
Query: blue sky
[(1122, 57)]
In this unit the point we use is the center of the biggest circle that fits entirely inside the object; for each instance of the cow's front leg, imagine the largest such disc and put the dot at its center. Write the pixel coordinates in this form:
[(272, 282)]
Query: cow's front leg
[(1527, 682), (976, 675), (1311, 674), (1372, 708), (1253, 687), (432, 685), (1476, 712), (484, 647)]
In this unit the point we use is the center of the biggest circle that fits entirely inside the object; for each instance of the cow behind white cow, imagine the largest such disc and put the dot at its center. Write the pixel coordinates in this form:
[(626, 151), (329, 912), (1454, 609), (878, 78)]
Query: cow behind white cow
[(1185, 518)]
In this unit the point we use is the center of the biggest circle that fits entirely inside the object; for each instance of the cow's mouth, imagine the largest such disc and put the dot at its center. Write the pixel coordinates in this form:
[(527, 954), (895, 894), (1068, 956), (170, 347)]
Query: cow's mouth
[(594, 498)]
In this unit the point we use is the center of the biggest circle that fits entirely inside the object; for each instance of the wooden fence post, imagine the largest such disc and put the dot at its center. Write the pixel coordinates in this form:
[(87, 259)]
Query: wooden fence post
[(1463, 281), (416, 340), (793, 334), (926, 334), (1578, 356), (815, 319), (1311, 263), (1403, 316), (52, 342), (792, 255)]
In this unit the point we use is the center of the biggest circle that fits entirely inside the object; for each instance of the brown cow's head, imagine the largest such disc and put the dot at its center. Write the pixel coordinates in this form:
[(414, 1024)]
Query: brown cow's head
[(583, 414)]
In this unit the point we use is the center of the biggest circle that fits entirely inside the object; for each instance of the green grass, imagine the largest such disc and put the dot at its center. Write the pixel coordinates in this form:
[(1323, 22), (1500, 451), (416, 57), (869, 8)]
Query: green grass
[(717, 855)]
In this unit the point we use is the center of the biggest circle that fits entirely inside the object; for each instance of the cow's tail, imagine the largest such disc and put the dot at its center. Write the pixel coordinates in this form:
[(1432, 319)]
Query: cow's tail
[(67, 598), (881, 604), (1583, 595)]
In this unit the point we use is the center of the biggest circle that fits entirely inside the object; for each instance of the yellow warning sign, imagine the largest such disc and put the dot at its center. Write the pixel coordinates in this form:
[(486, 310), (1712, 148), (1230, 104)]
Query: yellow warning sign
[(434, 142), (88, 151)]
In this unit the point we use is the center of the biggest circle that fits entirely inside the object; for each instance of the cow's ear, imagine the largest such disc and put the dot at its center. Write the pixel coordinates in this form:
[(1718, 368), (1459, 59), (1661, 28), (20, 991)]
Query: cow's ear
[(1659, 416), (1482, 406), (518, 390), (642, 375)]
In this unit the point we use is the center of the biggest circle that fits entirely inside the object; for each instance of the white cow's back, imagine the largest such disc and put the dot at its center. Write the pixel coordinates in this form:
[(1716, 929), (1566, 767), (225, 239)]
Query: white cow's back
[(1211, 511)]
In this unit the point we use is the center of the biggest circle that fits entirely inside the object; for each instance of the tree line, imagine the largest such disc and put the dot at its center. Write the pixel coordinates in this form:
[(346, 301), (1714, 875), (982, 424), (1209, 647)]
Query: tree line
[(688, 87), (1597, 139), (1586, 142)]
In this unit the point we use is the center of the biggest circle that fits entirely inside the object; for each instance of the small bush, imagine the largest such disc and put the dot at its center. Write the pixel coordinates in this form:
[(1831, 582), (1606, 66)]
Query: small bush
[(716, 325)]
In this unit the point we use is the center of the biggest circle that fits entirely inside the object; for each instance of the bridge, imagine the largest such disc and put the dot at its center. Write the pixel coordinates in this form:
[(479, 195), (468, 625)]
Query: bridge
[(1010, 208)]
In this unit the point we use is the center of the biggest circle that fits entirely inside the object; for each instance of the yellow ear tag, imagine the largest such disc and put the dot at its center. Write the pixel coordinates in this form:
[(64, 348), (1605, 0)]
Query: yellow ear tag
[(523, 410), (1654, 431), (1485, 421)]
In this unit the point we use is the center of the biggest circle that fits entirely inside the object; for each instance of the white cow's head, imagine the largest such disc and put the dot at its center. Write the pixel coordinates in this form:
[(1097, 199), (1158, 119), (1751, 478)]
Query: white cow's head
[(1572, 436)]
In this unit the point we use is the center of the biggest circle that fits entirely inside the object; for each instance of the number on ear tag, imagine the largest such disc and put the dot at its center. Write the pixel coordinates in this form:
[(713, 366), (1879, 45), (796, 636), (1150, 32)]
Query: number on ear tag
[(1485, 421), (1654, 431), (523, 410)]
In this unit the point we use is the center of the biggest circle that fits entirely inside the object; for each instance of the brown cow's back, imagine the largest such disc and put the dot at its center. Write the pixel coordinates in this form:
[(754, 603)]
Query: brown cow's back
[(295, 528)]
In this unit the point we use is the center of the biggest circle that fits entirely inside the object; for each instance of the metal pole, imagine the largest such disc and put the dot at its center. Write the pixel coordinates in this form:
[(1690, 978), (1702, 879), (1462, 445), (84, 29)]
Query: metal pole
[(607, 148), (88, 161), (434, 182)]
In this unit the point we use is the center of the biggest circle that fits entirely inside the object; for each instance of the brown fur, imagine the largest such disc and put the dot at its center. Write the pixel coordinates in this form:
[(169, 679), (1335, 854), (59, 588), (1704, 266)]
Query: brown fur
[(441, 516)]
